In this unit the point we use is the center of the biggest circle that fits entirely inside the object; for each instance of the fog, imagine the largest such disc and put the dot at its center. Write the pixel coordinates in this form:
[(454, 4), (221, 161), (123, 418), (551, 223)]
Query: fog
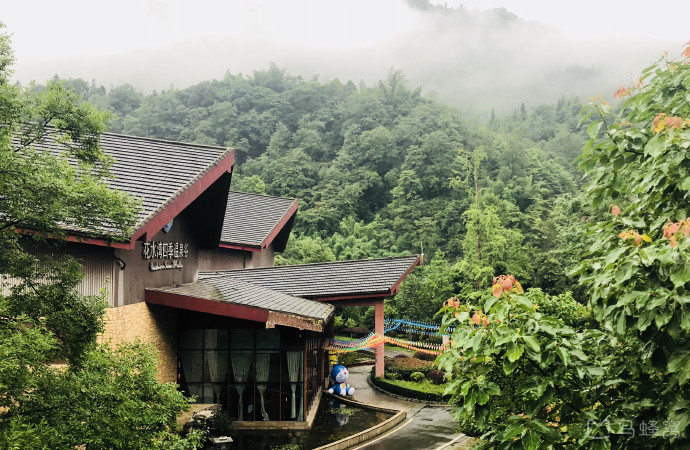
[(472, 58)]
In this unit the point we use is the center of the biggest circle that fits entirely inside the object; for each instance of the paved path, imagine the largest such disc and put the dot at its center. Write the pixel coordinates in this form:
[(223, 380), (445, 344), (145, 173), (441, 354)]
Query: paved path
[(426, 427)]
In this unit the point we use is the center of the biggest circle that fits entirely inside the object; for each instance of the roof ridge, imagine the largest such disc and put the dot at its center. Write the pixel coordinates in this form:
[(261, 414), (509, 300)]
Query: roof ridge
[(211, 272), (294, 199), (167, 141), (147, 138)]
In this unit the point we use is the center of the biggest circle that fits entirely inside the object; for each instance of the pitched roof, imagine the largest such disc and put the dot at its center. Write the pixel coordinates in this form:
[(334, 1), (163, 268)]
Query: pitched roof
[(156, 171), (253, 220), (244, 300), (330, 280)]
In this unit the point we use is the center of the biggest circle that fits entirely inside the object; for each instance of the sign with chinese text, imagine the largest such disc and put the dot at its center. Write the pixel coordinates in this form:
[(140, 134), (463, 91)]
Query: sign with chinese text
[(170, 251)]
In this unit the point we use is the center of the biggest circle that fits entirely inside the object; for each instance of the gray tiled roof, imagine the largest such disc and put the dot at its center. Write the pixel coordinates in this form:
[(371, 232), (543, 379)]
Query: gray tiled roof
[(230, 290), (251, 218), (331, 279), (152, 170)]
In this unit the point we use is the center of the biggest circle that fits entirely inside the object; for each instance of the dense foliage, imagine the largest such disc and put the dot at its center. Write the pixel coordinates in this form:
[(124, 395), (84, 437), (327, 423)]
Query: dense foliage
[(384, 170), (99, 397), (528, 379)]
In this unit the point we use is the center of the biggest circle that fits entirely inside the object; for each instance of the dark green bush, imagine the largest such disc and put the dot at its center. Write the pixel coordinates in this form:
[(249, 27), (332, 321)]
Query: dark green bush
[(405, 367), (419, 394), (424, 356), (436, 376)]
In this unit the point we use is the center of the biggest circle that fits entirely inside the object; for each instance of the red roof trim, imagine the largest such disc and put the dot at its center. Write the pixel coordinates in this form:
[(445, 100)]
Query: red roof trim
[(206, 306), (240, 247), (183, 200), (161, 218), (101, 242), (79, 239), (396, 286), (279, 226)]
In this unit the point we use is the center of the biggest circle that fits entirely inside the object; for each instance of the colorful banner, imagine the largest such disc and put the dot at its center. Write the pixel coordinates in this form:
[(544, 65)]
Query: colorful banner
[(374, 340), (409, 326)]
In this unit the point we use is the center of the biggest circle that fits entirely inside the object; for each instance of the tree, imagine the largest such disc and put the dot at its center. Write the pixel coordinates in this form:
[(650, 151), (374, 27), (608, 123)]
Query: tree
[(639, 269), (421, 295), (103, 398), (529, 380)]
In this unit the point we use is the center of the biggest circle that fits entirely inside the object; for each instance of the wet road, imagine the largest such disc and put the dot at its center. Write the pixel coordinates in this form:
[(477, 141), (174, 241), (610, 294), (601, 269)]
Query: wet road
[(431, 428), (426, 427)]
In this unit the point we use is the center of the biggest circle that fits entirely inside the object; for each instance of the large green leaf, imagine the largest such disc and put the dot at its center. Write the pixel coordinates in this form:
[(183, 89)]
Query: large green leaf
[(680, 274), (530, 440), (513, 430), (531, 343), (509, 367), (656, 145), (564, 355), (514, 351), (593, 129)]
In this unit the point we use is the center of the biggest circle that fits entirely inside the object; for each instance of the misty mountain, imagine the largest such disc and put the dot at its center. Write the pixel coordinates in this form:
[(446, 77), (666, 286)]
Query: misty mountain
[(474, 60)]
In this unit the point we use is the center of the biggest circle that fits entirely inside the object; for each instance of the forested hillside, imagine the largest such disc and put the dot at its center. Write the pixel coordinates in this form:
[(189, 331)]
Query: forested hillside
[(387, 169)]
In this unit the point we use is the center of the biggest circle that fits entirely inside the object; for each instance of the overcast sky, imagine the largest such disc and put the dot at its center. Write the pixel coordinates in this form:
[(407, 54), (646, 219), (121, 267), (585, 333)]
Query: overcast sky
[(156, 44)]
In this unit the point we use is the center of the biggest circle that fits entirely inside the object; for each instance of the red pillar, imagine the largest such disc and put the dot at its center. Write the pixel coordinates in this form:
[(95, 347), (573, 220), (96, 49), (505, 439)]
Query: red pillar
[(378, 328)]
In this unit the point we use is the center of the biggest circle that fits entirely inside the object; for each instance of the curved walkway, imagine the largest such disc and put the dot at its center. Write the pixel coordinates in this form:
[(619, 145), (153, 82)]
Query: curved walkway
[(426, 427)]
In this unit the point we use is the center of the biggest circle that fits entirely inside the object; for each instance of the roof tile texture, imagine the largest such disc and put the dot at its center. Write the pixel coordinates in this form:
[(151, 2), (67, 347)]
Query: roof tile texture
[(251, 218), (230, 290), (152, 170), (331, 279)]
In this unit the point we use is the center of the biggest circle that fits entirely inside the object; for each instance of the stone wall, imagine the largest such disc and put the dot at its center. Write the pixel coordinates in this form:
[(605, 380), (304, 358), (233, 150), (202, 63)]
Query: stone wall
[(152, 324)]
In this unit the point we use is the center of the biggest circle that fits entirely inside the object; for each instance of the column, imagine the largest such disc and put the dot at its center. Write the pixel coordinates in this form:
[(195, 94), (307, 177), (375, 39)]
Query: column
[(378, 328)]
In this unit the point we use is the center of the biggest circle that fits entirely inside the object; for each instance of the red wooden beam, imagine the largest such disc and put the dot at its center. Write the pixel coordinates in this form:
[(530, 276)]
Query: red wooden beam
[(354, 297), (279, 226), (160, 219), (240, 247), (169, 212), (396, 286), (206, 306)]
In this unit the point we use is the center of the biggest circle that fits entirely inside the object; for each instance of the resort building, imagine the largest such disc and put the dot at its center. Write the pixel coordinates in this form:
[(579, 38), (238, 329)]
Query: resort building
[(196, 279)]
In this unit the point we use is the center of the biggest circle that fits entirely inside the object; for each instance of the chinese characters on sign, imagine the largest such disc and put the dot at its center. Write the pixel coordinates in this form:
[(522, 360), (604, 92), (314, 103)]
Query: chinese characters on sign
[(165, 250)]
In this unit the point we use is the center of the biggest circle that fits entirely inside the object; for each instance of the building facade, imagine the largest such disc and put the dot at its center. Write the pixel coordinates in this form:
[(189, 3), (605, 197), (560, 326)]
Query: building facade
[(196, 280)]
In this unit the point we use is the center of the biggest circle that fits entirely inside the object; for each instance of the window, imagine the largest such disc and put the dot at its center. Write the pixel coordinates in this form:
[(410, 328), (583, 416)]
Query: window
[(256, 374)]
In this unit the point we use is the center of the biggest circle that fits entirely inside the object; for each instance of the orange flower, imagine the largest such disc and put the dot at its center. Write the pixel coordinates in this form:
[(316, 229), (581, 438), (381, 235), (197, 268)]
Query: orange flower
[(622, 92), (615, 210), (672, 231), (658, 124), (637, 237)]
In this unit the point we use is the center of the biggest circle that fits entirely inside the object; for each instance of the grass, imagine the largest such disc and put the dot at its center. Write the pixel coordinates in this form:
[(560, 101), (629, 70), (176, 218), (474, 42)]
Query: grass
[(423, 386), (400, 349)]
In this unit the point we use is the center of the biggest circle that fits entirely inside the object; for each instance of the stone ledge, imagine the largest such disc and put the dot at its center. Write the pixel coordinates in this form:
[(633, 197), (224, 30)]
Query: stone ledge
[(369, 433)]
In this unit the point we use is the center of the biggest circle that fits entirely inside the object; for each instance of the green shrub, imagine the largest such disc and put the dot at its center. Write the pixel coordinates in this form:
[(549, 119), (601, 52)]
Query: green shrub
[(436, 376), (424, 356), (417, 376), (420, 391), (405, 367), (221, 424), (563, 307)]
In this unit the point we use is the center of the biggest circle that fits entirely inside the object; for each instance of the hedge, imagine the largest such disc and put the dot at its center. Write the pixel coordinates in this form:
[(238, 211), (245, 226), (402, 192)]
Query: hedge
[(409, 393)]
